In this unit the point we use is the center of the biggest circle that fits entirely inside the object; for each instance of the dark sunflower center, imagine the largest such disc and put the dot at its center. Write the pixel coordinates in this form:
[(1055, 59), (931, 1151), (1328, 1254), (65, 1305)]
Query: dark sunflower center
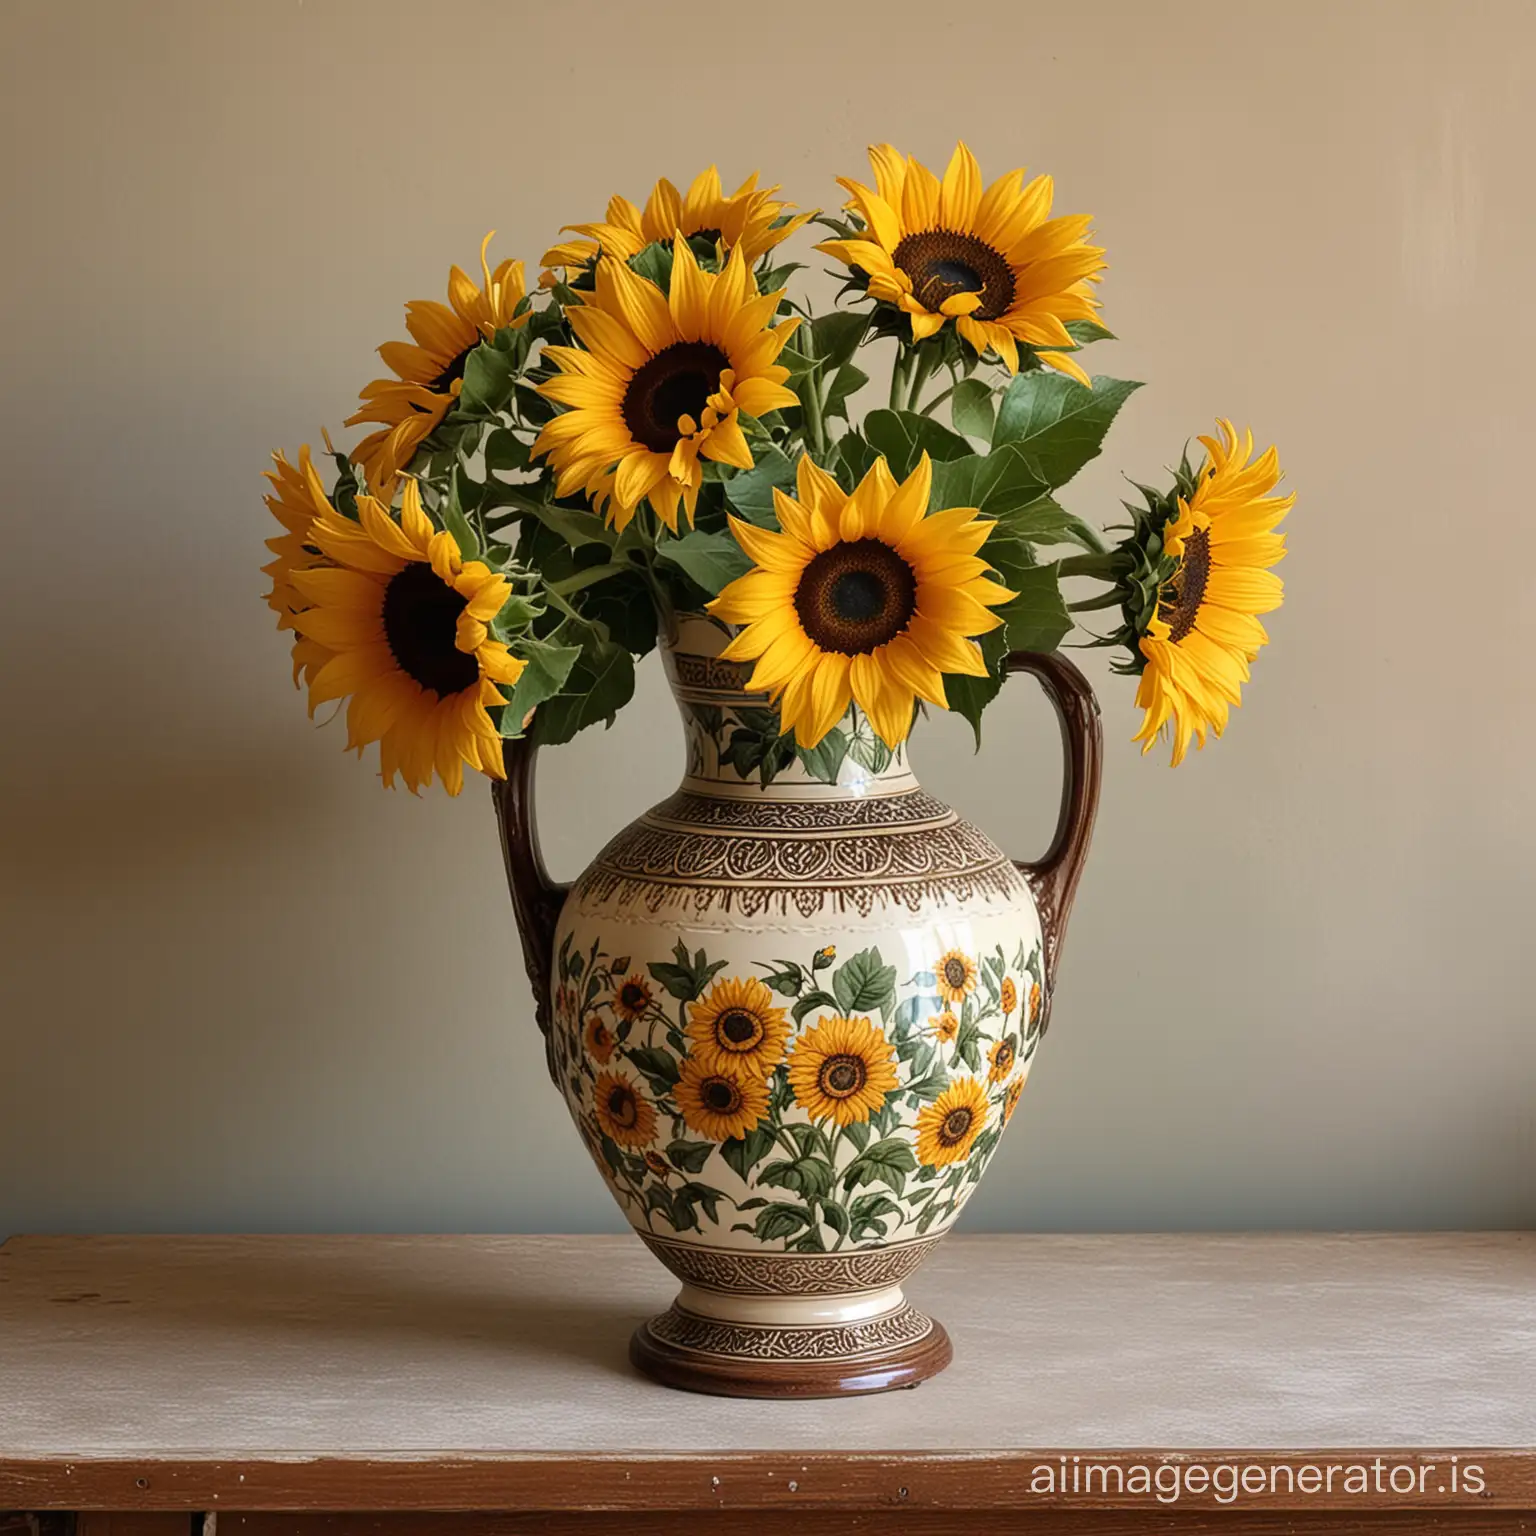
[(956, 1124), (855, 597), (842, 1076), (632, 996), (1004, 1058), (622, 1108), (720, 1095), (739, 1027), (444, 382), (1179, 602), (942, 263), (954, 972), (421, 614), (676, 382)]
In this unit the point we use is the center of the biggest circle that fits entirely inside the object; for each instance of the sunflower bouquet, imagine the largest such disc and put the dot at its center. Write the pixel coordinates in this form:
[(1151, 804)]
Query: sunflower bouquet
[(662, 428)]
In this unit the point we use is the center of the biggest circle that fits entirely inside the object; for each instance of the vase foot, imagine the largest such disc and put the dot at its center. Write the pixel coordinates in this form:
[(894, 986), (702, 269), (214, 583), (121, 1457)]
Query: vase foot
[(683, 1349)]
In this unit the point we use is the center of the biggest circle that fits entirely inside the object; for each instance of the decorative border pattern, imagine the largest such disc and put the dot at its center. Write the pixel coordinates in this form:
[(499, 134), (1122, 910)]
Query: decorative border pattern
[(743, 1341), (756, 856), (789, 1274), (711, 674)]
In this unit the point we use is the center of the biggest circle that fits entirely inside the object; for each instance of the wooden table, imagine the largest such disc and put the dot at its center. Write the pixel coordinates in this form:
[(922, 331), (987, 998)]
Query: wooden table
[(461, 1386)]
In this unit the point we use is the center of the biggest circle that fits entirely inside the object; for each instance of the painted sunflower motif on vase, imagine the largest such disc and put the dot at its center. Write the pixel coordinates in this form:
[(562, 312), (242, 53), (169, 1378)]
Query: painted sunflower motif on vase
[(1011, 1097), (748, 219), (599, 1040), (622, 1110), (948, 1127), (736, 1027), (632, 997), (719, 1104), (1001, 1060), (955, 975), (660, 383), (991, 259), (429, 368), (945, 1026), (1008, 998), (406, 619), (863, 598), (1206, 629), (842, 1069)]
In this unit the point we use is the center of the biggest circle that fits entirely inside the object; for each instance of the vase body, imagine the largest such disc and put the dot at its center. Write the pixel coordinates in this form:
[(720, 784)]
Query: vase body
[(791, 1020)]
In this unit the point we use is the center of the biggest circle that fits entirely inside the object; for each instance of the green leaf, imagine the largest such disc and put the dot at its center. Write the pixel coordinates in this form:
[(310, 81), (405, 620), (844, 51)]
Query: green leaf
[(995, 483), (775, 1221), (846, 382), (575, 526), (866, 1213), (548, 667), (865, 984), (918, 1006), (968, 1045), (710, 559), (824, 760), (904, 437), (1037, 619), (810, 1002), (454, 519), (886, 1162), (590, 575), (488, 376), (786, 981), (968, 696), (504, 449), (808, 1176), (690, 1156), (835, 336), (973, 410), (1045, 521), (743, 1153), (750, 492), (854, 457), (600, 684), (655, 1063), (654, 263), (1085, 331), (1056, 422)]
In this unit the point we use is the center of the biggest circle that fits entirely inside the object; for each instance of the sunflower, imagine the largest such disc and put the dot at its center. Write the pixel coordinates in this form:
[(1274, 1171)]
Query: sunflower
[(1009, 999), (748, 219), (1205, 630), (994, 261), (405, 616), (632, 998), (720, 1104), (947, 1127), (1036, 998), (842, 1070), (861, 598), (658, 1165), (1011, 1096), (662, 382), (736, 1027), (599, 1040), (945, 1026), (429, 369), (956, 975), (622, 1110), (296, 499), (1002, 1059)]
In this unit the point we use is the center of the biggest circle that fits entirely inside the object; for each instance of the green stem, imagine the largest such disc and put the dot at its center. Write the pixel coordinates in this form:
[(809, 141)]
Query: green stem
[(898, 378), (923, 364), (811, 406), (1099, 567), (937, 400)]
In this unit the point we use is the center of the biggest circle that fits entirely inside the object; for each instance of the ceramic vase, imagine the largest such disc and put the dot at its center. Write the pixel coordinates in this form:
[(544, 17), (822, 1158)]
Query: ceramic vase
[(791, 1015)]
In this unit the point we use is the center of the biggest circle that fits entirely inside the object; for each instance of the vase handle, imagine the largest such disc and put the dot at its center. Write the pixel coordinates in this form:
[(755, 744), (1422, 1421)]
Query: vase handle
[(536, 899), (1053, 878)]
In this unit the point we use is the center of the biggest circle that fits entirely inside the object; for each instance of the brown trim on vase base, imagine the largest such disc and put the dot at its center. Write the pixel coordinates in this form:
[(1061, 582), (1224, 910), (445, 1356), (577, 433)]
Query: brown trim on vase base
[(700, 1354)]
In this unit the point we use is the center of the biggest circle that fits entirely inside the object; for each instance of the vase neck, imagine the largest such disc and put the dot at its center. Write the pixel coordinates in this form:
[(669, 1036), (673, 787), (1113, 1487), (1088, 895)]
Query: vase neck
[(733, 736)]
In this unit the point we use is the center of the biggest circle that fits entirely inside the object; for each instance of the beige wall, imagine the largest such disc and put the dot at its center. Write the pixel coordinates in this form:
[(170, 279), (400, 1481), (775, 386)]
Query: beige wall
[(241, 986)]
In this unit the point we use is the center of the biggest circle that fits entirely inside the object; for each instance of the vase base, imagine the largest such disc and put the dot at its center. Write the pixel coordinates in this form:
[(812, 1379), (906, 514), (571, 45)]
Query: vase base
[(728, 1359)]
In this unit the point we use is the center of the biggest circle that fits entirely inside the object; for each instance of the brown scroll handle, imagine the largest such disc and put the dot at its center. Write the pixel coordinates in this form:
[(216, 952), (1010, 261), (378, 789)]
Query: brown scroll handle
[(536, 899), (1053, 878)]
